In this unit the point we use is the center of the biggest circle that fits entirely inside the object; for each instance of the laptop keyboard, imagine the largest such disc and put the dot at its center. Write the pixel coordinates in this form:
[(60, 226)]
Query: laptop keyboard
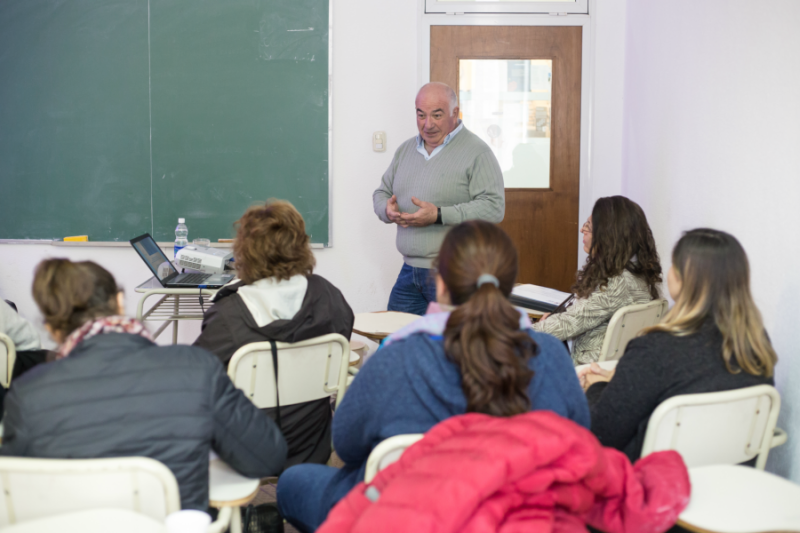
[(193, 278)]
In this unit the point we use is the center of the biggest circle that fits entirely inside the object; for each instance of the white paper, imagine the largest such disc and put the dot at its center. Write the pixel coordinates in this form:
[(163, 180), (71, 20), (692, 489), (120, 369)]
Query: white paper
[(540, 294)]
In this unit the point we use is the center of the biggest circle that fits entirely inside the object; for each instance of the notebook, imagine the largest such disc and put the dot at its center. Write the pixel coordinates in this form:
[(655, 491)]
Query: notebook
[(537, 298)]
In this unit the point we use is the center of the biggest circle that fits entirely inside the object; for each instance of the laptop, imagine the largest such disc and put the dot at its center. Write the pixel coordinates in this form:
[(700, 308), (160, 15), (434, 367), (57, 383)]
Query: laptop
[(152, 255)]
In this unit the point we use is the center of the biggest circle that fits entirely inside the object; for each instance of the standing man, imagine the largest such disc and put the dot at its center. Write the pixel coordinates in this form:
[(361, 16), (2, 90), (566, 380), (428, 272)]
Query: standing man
[(442, 177)]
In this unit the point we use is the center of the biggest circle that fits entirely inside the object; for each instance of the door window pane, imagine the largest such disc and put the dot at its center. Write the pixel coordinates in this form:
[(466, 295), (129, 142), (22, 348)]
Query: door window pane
[(506, 102)]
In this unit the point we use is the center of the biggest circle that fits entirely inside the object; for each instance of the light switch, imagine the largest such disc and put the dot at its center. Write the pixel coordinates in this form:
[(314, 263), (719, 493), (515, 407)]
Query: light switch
[(379, 141)]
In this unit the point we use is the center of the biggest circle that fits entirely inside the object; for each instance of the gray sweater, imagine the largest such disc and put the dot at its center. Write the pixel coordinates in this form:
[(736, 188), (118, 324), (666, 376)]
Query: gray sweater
[(464, 179)]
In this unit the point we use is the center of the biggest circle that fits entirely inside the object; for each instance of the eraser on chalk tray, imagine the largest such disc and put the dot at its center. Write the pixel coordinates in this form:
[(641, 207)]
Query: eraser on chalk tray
[(77, 238)]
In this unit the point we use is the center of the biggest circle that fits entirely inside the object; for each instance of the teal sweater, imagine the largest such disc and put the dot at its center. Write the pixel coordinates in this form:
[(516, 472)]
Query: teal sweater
[(464, 179)]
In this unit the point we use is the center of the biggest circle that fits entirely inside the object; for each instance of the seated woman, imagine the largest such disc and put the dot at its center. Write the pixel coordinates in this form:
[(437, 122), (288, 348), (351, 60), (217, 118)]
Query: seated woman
[(622, 269), (26, 343), (20, 331), (480, 357), (279, 299), (113, 393), (712, 340)]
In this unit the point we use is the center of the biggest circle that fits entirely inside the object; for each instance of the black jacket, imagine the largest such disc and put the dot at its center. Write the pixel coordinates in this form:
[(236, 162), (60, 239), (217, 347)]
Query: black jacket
[(228, 325), (120, 395), (657, 367)]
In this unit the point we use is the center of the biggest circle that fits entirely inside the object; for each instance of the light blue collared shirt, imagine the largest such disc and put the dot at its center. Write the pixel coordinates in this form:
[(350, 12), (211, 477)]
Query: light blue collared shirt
[(421, 143)]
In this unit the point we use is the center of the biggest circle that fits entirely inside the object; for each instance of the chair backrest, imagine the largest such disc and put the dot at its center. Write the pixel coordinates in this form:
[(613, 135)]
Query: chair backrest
[(387, 452), (38, 488), (728, 427), (8, 354), (307, 370), (626, 323)]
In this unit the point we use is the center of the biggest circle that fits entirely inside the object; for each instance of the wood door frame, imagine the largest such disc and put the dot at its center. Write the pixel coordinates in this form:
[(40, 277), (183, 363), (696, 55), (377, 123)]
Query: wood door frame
[(585, 200)]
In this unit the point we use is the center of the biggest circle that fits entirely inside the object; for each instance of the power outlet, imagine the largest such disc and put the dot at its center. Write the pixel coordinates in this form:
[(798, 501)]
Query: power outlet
[(379, 141)]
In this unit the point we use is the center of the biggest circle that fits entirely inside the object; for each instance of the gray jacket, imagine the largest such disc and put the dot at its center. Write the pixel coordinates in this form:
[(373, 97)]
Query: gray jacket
[(120, 395)]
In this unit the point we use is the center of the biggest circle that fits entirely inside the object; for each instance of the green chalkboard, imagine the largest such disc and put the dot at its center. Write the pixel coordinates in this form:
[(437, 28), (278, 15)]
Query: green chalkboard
[(119, 116)]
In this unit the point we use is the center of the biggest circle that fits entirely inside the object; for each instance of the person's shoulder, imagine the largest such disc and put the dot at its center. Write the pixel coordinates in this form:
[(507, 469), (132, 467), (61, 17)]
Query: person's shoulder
[(38, 375), (545, 341), (631, 280), (551, 351), (406, 146), (477, 145), (655, 347), (184, 355), (315, 280), (421, 346), (225, 301)]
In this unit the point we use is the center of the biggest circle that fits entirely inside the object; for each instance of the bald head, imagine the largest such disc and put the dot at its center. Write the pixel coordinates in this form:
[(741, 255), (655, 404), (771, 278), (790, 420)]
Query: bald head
[(437, 113), (440, 91)]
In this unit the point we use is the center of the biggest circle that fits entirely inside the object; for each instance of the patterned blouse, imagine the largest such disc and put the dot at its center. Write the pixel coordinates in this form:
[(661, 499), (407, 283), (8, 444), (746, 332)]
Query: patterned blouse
[(587, 319)]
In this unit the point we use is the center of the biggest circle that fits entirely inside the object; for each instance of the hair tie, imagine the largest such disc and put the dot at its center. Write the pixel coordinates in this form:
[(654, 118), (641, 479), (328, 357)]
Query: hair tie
[(487, 278)]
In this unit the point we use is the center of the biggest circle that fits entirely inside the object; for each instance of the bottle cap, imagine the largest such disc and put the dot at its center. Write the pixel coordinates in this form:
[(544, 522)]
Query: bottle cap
[(181, 221)]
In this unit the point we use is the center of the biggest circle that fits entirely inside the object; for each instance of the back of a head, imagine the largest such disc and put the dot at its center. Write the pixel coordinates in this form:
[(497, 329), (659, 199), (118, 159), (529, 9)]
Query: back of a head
[(482, 334), (620, 233), (70, 294), (715, 284), (271, 241)]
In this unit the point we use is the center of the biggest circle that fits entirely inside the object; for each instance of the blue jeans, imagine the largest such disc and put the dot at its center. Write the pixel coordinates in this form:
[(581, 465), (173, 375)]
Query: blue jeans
[(414, 289), (300, 495)]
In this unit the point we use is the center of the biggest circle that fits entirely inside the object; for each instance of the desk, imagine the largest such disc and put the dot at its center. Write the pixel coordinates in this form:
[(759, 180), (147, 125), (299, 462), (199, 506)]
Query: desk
[(92, 521), (740, 499), (173, 306), (228, 489), (533, 314), (379, 325)]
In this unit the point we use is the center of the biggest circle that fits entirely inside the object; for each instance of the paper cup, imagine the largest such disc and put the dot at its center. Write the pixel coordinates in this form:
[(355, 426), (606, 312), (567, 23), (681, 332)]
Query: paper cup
[(188, 521)]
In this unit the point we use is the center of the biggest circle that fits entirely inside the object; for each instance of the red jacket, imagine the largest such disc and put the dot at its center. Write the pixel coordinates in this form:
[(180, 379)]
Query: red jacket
[(535, 472)]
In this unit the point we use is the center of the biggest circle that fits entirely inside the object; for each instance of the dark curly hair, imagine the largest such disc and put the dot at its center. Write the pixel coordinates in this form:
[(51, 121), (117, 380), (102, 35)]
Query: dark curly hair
[(619, 232), (271, 241)]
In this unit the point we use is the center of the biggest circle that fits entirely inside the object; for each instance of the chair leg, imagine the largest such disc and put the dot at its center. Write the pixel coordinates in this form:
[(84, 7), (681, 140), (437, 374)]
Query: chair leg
[(220, 525), (236, 520)]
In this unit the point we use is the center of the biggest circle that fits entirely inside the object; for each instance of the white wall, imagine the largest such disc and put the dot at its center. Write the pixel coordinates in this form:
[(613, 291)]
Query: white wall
[(375, 71), (712, 138)]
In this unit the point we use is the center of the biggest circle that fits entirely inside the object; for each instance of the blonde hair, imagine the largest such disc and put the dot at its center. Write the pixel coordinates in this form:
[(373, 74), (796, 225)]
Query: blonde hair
[(715, 277)]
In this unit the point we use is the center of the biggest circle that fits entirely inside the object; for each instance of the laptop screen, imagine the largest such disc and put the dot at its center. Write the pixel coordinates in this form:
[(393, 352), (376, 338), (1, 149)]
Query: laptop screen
[(152, 254)]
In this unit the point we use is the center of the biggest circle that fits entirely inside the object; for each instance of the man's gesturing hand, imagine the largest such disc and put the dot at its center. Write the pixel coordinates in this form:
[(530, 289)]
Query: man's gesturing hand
[(424, 217), (393, 211)]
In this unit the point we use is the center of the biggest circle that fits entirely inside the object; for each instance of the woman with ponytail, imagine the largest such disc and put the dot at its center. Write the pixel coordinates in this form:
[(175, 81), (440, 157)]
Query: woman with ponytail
[(473, 352), (112, 392), (712, 340)]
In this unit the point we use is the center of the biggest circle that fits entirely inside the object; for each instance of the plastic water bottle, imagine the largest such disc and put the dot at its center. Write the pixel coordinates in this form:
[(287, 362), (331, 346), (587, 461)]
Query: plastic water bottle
[(181, 235)]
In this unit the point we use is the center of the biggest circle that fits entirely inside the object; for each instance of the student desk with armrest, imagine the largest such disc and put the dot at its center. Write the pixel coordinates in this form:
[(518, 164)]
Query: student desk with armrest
[(173, 306)]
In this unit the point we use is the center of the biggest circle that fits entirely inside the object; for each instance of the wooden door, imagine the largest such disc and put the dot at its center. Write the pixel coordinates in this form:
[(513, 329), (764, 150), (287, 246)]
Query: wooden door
[(542, 222)]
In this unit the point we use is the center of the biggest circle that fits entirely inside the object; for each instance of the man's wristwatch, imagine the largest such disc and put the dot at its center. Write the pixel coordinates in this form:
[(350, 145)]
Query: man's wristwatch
[(439, 215)]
